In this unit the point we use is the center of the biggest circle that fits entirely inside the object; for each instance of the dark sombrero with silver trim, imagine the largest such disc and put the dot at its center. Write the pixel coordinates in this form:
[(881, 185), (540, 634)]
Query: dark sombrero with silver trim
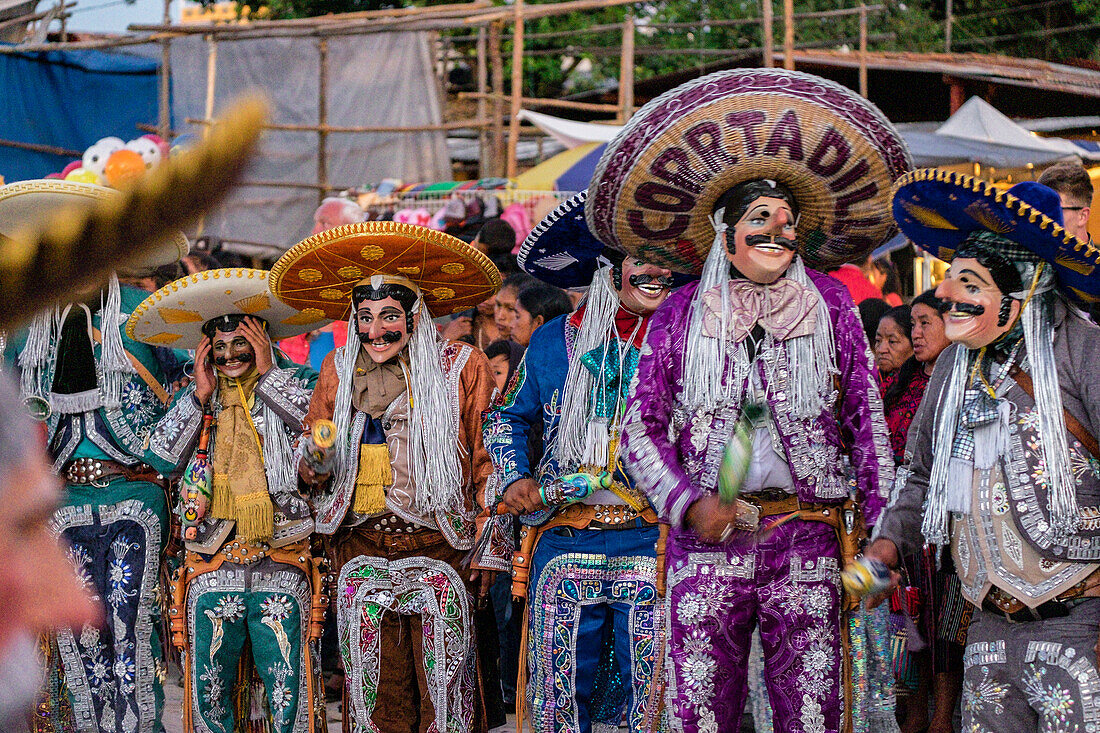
[(656, 184), (561, 249), (938, 209)]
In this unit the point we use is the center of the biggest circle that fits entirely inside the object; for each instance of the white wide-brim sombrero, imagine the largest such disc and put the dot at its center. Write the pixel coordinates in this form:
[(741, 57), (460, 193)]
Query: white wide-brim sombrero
[(174, 315), (318, 274), (23, 202), (656, 183)]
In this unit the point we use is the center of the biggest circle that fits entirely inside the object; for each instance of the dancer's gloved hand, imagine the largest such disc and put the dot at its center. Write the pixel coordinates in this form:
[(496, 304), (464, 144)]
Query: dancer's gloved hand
[(886, 552), (713, 519), (482, 580), (522, 497)]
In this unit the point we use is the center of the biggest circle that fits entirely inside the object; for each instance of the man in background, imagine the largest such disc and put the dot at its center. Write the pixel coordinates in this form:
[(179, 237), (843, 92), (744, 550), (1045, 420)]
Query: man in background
[(1074, 187)]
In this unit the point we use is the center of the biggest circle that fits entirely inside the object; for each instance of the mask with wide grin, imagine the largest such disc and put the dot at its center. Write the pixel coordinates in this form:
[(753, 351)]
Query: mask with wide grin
[(652, 285)]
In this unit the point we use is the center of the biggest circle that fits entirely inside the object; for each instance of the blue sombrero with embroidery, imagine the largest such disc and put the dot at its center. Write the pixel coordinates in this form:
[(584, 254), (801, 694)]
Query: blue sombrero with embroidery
[(938, 209), (562, 251)]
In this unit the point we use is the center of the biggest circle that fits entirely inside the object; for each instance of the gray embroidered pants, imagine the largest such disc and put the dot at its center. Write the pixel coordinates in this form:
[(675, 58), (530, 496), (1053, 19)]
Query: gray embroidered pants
[(1037, 676)]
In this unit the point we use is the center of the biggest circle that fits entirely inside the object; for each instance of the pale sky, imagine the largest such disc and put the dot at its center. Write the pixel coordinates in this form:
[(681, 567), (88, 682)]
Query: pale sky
[(114, 15)]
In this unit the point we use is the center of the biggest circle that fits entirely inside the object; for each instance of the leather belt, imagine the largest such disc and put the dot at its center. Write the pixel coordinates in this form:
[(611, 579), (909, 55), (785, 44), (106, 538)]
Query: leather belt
[(774, 503), (97, 472), (1004, 605)]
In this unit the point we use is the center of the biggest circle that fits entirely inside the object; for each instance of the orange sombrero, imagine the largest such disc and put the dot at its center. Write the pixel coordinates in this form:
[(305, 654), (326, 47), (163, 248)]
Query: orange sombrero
[(316, 275)]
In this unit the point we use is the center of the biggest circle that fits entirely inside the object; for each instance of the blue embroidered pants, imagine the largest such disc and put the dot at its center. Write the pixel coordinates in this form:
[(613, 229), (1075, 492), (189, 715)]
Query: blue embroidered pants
[(594, 630), (114, 672)]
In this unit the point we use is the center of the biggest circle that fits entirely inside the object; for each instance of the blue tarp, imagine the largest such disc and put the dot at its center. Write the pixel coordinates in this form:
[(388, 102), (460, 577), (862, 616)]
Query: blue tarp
[(70, 99)]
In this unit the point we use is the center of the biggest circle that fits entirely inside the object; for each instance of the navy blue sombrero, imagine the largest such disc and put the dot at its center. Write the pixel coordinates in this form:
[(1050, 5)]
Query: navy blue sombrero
[(938, 209), (561, 250)]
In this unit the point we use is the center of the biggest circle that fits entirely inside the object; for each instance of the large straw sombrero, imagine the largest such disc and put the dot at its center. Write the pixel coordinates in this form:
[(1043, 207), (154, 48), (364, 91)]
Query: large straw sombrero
[(24, 201), (561, 249), (939, 209), (316, 275), (174, 315), (656, 183)]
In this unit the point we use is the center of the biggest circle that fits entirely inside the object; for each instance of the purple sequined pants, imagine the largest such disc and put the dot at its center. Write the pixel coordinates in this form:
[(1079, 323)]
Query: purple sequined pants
[(789, 585)]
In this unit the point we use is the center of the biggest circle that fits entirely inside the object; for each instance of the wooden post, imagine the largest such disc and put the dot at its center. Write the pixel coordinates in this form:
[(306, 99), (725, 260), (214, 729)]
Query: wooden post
[(164, 119), (626, 71), (517, 88), (322, 119), (788, 34), (496, 63), (948, 21), (863, 50), (767, 32), (211, 80), (484, 159)]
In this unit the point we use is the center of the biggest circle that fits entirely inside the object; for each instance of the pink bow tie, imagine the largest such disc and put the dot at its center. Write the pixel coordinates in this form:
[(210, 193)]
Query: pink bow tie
[(785, 309)]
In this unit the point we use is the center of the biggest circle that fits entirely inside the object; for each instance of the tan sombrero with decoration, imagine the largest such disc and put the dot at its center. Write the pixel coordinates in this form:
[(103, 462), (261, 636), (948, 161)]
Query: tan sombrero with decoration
[(174, 315), (656, 183), (25, 201), (316, 276)]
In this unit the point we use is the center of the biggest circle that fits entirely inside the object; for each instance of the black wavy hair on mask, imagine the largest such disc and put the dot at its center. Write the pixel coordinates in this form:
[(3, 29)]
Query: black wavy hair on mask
[(227, 324), (980, 245), (403, 295), (736, 201)]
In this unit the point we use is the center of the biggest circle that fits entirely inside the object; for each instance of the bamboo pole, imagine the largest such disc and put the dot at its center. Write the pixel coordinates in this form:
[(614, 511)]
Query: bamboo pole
[(322, 118), (626, 71), (543, 102), (788, 34), (863, 51), (211, 78), (39, 148), (164, 123), (496, 62), (546, 10), (517, 88), (948, 23), (484, 158), (329, 129), (767, 33)]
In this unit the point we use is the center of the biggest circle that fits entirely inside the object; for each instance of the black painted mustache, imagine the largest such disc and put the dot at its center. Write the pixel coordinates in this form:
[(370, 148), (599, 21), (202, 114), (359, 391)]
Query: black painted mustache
[(243, 358), (663, 281), (754, 239), (390, 337), (966, 309)]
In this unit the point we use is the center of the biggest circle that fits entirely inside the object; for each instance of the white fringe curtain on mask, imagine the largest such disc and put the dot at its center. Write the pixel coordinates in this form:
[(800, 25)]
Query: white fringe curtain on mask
[(434, 453), (951, 479), (583, 437), (713, 379), (38, 359)]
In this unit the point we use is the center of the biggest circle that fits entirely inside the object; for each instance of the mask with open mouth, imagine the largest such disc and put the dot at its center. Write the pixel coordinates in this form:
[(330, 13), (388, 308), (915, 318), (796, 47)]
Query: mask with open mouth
[(231, 352), (646, 286)]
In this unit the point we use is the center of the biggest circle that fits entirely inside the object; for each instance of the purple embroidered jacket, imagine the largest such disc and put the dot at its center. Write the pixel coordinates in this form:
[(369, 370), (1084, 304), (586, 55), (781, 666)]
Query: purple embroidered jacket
[(675, 455)]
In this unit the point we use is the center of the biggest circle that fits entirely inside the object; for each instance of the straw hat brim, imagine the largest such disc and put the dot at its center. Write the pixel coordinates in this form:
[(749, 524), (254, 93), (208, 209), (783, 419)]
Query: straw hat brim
[(174, 315), (317, 275), (656, 184), (938, 209), (23, 202)]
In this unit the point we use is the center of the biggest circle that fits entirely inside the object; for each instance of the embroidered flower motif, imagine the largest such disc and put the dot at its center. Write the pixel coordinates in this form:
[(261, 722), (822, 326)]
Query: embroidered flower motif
[(1053, 702), (276, 608), (999, 496), (693, 608), (229, 608), (983, 694)]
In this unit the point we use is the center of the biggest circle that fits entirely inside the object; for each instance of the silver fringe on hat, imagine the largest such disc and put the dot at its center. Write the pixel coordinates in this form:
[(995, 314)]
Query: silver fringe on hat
[(583, 437), (711, 376), (434, 452)]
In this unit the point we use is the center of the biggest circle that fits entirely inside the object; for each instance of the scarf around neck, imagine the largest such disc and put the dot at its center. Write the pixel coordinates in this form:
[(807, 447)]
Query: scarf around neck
[(240, 483)]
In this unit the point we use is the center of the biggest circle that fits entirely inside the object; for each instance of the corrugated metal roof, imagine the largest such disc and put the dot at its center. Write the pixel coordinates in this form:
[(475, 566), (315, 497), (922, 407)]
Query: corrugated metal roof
[(982, 67)]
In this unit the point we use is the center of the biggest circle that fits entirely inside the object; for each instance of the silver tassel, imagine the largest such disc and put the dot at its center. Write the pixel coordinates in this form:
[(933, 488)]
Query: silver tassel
[(347, 458), (36, 360), (812, 358), (280, 463), (1038, 322), (705, 358), (991, 440), (113, 368), (576, 432), (433, 435), (936, 504)]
